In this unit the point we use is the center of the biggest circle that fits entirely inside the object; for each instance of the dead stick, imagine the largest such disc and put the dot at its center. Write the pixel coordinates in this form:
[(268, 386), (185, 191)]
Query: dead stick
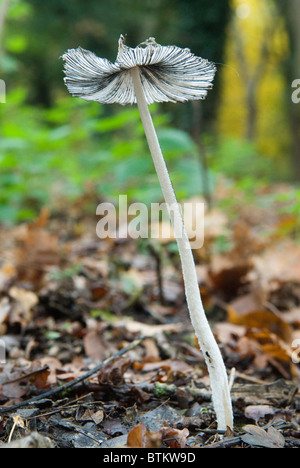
[(26, 376), (67, 385)]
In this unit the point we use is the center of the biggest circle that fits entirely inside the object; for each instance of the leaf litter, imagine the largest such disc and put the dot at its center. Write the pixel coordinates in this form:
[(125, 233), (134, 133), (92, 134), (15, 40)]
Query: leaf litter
[(70, 304)]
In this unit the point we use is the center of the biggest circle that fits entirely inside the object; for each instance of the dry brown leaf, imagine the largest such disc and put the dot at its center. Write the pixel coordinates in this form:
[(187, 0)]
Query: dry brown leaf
[(90, 415), (136, 436), (266, 320), (41, 379), (113, 372), (97, 416), (257, 436), (228, 274), (280, 262), (5, 307), (27, 299), (277, 351), (151, 350), (175, 438), (37, 250), (93, 344), (53, 365), (227, 332), (249, 302), (140, 437)]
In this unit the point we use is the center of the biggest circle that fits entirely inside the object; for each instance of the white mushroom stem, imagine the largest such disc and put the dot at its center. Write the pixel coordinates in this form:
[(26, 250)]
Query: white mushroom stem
[(214, 361)]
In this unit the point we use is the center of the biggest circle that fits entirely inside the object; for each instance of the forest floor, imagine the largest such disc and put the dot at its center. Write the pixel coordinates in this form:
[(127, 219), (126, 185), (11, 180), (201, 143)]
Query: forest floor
[(99, 349)]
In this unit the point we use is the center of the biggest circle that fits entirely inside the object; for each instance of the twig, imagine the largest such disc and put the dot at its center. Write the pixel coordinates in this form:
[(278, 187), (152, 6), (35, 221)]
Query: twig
[(26, 376), (232, 378), (12, 431), (64, 406), (158, 266), (224, 443), (248, 378), (67, 385)]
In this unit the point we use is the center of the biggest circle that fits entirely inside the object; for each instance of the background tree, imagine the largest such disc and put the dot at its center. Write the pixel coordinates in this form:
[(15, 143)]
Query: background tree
[(253, 95), (244, 128), (291, 13), (51, 28)]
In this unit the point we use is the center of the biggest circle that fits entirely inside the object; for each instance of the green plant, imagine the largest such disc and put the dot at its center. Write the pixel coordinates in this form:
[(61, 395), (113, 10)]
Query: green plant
[(51, 156)]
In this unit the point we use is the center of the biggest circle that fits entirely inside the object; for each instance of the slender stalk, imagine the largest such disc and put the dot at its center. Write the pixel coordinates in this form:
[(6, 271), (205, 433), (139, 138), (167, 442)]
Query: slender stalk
[(214, 361)]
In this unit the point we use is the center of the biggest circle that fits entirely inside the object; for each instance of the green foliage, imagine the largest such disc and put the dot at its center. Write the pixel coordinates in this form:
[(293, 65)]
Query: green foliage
[(239, 159), (55, 149), (289, 205), (50, 156), (37, 33), (291, 201)]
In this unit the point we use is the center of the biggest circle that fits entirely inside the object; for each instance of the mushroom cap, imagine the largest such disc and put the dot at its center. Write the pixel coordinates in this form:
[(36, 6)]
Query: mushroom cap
[(168, 73)]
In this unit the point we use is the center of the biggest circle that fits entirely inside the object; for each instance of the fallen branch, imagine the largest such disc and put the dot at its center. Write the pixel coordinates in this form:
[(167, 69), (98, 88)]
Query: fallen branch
[(68, 385), (25, 376)]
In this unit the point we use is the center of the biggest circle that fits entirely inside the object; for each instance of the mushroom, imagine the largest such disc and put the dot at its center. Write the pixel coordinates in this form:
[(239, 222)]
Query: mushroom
[(143, 75)]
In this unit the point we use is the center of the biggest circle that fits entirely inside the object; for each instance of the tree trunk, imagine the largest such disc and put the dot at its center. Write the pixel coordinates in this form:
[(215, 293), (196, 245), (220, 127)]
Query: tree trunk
[(251, 99), (293, 18)]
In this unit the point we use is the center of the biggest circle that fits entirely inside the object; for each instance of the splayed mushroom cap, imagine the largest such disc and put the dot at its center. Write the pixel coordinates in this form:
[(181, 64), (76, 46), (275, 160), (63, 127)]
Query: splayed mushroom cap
[(168, 73)]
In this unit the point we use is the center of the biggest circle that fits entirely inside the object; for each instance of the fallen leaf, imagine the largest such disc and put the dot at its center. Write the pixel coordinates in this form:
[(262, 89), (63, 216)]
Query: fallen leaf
[(280, 261), (41, 379), (277, 351), (226, 332), (93, 344), (228, 274), (151, 350), (140, 437), (5, 307), (53, 366), (258, 411), (28, 299), (113, 372), (161, 416), (257, 436), (37, 249), (90, 415), (262, 320), (249, 302), (174, 438)]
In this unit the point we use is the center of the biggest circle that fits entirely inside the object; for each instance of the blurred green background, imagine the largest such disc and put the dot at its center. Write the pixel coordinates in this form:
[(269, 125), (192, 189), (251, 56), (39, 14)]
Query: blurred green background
[(59, 151)]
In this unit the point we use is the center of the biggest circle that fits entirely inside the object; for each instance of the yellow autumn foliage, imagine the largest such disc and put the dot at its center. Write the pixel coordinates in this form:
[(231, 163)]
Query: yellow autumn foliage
[(257, 43)]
